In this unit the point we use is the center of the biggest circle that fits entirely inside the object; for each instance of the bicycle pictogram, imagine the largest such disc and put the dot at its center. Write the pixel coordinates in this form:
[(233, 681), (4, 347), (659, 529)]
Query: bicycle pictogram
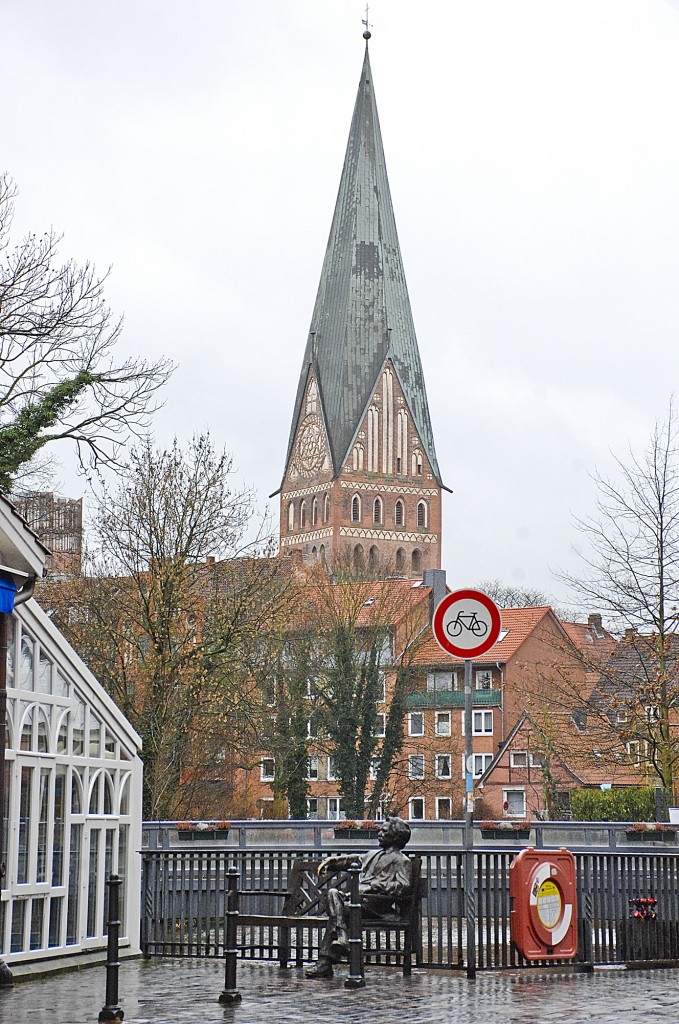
[(468, 621)]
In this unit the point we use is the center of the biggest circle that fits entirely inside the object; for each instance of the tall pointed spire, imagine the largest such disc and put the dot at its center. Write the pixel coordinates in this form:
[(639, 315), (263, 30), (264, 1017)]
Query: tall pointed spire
[(362, 313), (361, 475)]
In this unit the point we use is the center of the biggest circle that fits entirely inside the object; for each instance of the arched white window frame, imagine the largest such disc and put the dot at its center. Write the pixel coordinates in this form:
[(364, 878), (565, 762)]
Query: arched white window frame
[(302, 515), (399, 513), (356, 508), (326, 508), (291, 516), (378, 510), (422, 517), (314, 512)]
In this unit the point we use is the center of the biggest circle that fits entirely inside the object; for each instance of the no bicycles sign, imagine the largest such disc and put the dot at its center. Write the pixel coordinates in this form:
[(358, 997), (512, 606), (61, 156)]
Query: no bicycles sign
[(466, 624)]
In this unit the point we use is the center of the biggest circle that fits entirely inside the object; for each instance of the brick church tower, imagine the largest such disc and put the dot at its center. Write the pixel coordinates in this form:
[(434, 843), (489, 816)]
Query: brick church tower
[(361, 478)]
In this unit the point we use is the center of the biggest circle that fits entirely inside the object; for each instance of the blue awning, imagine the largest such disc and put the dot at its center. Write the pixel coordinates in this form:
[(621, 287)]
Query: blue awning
[(7, 591)]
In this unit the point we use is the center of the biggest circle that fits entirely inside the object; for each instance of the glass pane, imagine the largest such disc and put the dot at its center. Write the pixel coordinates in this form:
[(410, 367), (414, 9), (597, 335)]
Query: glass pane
[(123, 840), (109, 744), (93, 883), (56, 910), (5, 814), (58, 831), (26, 666), (16, 943), (27, 730), (125, 795), (79, 729), (37, 915), (108, 871), (62, 738), (10, 654), (44, 674), (43, 822), (76, 794), (95, 796), (24, 823), (108, 795), (95, 737), (74, 884), (61, 685), (43, 732)]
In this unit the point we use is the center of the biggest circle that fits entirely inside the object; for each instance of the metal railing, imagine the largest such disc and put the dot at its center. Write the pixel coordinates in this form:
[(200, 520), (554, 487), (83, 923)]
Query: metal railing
[(184, 902)]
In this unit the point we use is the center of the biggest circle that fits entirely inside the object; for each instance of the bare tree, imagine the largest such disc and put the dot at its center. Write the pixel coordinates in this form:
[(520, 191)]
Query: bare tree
[(631, 573), (162, 622), (59, 375)]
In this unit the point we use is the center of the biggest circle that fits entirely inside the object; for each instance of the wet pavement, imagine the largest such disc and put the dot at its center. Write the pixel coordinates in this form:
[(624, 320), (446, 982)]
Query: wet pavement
[(186, 992)]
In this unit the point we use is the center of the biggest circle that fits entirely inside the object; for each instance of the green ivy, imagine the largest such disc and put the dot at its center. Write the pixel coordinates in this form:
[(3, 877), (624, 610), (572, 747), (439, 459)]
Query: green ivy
[(635, 803)]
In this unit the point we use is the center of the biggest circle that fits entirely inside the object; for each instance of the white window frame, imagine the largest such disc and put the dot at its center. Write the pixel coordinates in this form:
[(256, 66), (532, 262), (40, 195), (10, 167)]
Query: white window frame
[(312, 813), (263, 771), (380, 725), (312, 768), (412, 803), (439, 761), (435, 678), (516, 757), (442, 725), (335, 809), (331, 776), (356, 506), (480, 720), (510, 791), (444, 800), (481, 762), (411, 716), (484, 675), (416, 767)]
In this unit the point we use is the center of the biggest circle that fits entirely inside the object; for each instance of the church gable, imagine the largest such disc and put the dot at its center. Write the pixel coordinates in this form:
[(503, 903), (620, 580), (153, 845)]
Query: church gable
[(309, 461), (387, 442)]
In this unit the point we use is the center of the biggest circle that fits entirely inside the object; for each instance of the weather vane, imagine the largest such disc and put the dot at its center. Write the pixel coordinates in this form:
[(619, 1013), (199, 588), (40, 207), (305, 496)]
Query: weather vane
[(367, 33)]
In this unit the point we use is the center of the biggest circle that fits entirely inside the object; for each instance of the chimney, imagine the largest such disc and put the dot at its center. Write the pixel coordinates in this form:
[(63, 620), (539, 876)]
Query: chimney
[(210, 560), (436, 579), (594, 620)]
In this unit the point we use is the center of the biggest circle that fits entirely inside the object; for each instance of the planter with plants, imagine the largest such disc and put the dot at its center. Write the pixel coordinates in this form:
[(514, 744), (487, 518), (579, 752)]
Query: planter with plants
[(202, 831)]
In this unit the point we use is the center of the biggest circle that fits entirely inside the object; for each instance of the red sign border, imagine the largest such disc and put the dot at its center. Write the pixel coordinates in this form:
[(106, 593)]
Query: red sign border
[(440, 635)]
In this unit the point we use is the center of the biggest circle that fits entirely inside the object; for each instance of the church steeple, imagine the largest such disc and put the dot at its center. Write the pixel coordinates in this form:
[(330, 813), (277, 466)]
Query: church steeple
[(368, 411)]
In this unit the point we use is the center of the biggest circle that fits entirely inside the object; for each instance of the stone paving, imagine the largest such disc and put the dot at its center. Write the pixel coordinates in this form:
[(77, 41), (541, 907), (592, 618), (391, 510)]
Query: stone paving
[(186, 992)]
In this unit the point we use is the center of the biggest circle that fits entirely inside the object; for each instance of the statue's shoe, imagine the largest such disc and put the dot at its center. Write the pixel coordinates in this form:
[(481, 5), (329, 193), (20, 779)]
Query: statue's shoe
[(338, 950), (319, 971)]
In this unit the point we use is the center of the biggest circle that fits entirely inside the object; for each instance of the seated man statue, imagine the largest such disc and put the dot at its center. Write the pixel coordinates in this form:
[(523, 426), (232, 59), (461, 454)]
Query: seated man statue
[(384, 872)]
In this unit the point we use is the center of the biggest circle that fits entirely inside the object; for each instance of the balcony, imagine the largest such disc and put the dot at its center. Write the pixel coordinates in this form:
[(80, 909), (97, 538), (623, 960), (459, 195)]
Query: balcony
[(453, 699)]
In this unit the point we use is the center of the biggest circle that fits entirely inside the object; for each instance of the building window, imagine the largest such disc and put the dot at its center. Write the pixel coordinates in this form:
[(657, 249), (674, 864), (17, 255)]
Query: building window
[(267, 769), (417, 562), (302, 515), (312, 397), (514, 803), (416, 766), (444, 808), (336, 808), (416, 723), (442, 766), (400, 560), (291, 516), (482, 723), (521, 759), (332, 777), (416, 808), (484, 680), (381, 688), (326, 508), (312, 768), (446, 681), (314, 512), (442, 723), (417, 464), (312, 728), (633, 748), (356, 509), (377, 510), (481, 762), (399, 516), (312, 808), (380, 723), (359, 560), (373, 557), (421, 515), (402, 441), (373, 440), (357, 458), (374, 768)]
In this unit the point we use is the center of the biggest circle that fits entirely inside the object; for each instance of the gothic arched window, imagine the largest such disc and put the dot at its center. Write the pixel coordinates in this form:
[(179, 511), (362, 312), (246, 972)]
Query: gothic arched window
[(377, 510), (399, 514), (421, 514), (356, 509)]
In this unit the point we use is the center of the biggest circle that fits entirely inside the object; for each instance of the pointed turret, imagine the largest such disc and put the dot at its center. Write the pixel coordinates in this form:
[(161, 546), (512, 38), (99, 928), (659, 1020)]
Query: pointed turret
[(361, 406)]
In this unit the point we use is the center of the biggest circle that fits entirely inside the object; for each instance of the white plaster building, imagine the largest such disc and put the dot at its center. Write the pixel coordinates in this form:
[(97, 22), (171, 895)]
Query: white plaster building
[(73, 787)]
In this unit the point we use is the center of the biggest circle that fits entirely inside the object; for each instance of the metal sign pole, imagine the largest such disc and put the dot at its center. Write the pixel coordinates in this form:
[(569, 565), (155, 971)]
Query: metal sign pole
[(469, 873)]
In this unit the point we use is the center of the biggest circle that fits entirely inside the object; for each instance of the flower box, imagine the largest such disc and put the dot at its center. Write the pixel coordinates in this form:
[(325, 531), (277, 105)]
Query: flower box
[(202, 831), (518, 830), (357, 830), (646, 831)]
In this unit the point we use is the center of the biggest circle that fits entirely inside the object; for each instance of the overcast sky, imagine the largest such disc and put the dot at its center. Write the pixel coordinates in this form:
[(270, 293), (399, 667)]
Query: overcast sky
[(533, 156)]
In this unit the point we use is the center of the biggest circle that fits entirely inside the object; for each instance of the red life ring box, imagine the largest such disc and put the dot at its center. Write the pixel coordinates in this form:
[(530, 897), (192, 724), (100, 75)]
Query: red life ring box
[(544, 908)]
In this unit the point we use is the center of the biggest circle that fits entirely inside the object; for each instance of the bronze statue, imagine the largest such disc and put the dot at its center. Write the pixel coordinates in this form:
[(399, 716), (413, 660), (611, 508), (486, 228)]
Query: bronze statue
[(384, 872)]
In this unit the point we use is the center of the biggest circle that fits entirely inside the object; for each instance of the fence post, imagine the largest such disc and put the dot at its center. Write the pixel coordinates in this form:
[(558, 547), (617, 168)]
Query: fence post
[(231, 993), (356, 977), (111, 1011)]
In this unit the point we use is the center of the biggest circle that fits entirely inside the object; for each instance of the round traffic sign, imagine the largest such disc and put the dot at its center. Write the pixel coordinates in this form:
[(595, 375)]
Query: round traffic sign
[(466, 624)]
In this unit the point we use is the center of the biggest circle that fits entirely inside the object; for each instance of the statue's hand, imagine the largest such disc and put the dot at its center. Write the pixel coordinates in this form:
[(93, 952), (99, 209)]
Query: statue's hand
[(326, 866)]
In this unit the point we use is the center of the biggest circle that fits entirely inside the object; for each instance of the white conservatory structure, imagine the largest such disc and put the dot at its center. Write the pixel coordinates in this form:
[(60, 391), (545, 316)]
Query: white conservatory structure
[(73, 780)]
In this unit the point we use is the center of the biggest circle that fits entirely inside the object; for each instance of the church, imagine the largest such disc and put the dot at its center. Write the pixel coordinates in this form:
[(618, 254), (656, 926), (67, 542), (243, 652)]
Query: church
[(361, 480)]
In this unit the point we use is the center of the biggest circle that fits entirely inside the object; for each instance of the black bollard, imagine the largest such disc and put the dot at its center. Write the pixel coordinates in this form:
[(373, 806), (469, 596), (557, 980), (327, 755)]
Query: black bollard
[(356, 977), (231, 993), (111, 1010)]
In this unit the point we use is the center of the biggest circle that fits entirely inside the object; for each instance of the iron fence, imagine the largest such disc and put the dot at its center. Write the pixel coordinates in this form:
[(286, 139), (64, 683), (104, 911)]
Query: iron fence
[(184, 902)]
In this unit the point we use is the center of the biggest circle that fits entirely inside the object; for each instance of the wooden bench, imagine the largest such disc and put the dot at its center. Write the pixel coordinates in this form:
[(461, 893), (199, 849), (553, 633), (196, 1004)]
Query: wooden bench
[(393, 938)]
